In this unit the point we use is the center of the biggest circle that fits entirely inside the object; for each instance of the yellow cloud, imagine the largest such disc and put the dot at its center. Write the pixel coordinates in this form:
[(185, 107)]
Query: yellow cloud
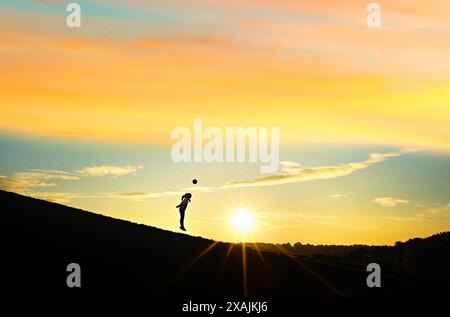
[(390, 202), (112, 170), (26, 182), (35, 178)]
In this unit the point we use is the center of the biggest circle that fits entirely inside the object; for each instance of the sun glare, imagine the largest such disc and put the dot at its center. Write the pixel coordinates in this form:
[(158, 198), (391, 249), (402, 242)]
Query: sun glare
[(242, 220)]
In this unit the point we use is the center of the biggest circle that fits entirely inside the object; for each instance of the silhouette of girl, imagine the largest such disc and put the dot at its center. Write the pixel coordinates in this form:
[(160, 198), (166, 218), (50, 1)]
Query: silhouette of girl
[(185, 200)]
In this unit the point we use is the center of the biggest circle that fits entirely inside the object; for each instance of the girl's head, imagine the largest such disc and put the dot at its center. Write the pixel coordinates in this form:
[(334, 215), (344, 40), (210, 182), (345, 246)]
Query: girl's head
[(188, 195)]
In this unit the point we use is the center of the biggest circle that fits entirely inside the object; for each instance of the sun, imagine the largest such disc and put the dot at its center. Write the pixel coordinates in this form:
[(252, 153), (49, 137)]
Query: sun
[(242, 220)]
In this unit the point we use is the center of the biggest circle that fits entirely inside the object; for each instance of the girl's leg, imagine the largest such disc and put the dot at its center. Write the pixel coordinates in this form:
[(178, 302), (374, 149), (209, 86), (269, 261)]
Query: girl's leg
[(182, 217)]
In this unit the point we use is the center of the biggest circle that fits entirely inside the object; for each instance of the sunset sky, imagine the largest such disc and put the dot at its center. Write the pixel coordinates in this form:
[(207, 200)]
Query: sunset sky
[(364, 113)]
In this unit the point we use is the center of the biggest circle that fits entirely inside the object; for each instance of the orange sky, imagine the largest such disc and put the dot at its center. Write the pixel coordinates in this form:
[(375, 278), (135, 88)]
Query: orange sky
[(318, 78)]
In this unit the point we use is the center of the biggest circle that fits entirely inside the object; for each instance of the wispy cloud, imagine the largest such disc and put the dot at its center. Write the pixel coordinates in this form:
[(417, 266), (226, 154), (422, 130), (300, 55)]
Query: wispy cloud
[(293, 173), (103, 170), (335, 196), (46, 178), (389, 202), (27, 181), (436, 210), (138, 196), (429, 212), (34, 178)]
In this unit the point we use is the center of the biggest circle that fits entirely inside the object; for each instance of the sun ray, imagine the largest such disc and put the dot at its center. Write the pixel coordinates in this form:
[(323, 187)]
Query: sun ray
[(244, 269), (227, 255), (260, 255)]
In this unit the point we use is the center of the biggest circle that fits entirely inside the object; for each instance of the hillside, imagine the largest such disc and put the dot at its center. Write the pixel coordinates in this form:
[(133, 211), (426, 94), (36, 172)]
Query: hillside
[(120, 257)]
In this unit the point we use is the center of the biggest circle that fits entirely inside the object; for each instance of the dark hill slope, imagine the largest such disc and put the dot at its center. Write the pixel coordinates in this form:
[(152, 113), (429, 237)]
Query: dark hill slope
[(120, 257)]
